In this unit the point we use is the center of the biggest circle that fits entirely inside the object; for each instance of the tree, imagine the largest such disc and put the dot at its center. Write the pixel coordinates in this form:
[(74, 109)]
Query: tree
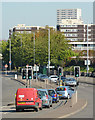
[(22, 48)]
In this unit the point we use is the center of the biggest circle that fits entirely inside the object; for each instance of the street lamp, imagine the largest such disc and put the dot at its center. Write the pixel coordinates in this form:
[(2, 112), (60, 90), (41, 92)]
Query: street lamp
[(34, 46), (48, 52), (10, 54), (87, 51)]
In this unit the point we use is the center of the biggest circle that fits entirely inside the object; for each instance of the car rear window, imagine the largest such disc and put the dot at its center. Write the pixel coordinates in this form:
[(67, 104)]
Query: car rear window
[(42, 93), (51, 92), (60, 89), (53, 77)]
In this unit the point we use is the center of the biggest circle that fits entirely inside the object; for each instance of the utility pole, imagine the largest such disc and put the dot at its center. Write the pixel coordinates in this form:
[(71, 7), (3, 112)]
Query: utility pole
[(87, 51), (48, 52), (34, 48), (10, 54)]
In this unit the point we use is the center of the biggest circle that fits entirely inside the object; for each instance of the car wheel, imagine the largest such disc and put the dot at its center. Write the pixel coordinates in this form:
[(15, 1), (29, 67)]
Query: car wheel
[(41, 107), (51, 105), (19, 110), (48, 106), (36, 109)]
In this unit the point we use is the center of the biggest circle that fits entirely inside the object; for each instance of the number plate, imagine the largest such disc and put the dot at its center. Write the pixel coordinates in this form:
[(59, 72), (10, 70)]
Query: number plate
[(60, 95), (21, 102)]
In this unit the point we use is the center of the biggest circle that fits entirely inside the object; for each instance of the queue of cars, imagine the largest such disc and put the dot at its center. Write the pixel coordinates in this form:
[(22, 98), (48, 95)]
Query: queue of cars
[(27, 98), (32, 98)]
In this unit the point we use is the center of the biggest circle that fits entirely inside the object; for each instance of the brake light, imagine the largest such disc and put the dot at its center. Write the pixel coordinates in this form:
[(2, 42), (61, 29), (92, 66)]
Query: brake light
[(55, 95), (46, 96), (65, 89)]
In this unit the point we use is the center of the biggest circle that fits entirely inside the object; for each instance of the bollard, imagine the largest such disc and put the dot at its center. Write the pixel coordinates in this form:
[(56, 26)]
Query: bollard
[(16, 76)]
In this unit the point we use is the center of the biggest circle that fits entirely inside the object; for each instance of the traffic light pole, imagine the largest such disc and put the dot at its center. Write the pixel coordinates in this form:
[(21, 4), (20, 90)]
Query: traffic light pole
[(27, 77)]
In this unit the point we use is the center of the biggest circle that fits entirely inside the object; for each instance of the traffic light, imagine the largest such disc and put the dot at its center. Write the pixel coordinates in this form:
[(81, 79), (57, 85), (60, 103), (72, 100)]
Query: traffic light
[(23, 74), (60, 71), (77, 71), (29, 74)]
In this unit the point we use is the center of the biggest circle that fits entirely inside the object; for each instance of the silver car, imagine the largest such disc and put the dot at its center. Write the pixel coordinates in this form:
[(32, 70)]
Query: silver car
[(65, 91), (45, 97), (53, 78), (71, 82)]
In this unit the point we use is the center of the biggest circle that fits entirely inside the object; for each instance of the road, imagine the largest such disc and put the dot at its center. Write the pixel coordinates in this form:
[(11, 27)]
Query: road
[(9, 88)]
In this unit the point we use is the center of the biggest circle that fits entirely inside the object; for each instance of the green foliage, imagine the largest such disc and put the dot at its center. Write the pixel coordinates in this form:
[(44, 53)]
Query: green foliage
[(22, 49)]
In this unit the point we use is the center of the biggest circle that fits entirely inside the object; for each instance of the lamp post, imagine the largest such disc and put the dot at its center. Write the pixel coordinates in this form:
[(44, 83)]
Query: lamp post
[(34, 47), (10, 54), (48, 52), (87, 51)]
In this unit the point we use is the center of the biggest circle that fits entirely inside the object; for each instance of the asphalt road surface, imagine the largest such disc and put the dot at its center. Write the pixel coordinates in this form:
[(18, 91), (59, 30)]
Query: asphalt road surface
[(9, 88)]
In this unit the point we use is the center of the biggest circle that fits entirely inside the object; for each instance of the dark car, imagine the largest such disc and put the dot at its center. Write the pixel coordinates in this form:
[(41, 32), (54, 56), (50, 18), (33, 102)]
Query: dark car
[(54, 95), (63, 80), (45, 97), (43, 77)]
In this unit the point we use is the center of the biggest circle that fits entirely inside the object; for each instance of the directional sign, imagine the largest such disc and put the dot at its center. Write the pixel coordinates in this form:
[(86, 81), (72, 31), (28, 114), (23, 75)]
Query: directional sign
[(51, 67)]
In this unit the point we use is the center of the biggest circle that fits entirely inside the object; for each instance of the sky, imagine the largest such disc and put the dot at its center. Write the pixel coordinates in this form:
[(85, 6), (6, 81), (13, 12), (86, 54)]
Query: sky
[(38, 14)]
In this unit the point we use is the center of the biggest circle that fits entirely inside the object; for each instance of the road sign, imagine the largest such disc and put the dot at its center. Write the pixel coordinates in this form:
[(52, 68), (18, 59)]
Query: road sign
[(10, 62), (36, 68), (27, 65), (6, 66), (51, 67), (86, 62)]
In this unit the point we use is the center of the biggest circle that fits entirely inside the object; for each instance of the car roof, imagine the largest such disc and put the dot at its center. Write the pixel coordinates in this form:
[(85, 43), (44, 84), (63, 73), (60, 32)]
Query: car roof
[(42, 89), (63, 86), (51, 89), (53, 75)]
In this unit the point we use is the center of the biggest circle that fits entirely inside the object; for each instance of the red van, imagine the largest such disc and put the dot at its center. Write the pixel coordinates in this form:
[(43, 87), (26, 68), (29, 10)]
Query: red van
[(27, 98)]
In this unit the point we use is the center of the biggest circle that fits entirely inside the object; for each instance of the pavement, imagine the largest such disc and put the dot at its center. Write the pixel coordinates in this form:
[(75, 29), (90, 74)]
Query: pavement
[(68, 109)]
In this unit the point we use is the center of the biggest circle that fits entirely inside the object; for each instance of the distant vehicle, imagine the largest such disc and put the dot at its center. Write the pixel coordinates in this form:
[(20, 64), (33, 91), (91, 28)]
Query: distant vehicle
[(54, 95), (62, 78), (43, 77), (65, 92), (34, 76), (71, 82), (27, 98), (45, 97), (53, 78)]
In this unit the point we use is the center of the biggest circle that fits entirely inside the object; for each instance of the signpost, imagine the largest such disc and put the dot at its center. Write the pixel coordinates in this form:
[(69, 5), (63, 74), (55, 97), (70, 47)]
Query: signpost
[(6, 68)]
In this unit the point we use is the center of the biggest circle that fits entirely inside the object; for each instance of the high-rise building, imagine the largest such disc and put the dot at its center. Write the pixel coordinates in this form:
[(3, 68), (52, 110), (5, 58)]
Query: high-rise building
[(78, 32), (21, 28), (68, 14)]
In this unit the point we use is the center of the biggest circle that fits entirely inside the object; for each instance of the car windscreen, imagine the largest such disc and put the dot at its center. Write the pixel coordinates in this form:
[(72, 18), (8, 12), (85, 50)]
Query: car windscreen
[(60, 89), (71, 79), (54, 77)]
